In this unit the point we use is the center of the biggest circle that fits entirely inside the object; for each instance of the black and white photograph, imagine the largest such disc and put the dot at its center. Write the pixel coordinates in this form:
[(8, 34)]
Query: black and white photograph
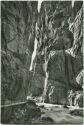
[(42, 62)]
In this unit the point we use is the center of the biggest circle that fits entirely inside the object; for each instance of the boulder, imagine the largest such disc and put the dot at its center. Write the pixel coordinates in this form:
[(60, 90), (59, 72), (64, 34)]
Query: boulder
[(77, 112), (21, 112), (47, 119)]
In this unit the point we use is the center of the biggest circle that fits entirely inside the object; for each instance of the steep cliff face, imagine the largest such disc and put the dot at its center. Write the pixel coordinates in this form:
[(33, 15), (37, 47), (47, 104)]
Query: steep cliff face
[(21, 26), (18, 25)]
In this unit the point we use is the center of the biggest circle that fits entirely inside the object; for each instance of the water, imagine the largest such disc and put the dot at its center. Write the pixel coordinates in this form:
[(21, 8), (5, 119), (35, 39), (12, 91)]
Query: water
[(33, 63), (46, 80), (39, 5), (45, 86), (33, 55), (73, 1)]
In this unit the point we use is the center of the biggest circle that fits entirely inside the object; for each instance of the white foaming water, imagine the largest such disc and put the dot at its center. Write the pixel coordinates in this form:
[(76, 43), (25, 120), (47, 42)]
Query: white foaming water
[(47, 75), (45, 86), (33, 54), (73, 1), (79, 76), (36, 41), (39, 5)]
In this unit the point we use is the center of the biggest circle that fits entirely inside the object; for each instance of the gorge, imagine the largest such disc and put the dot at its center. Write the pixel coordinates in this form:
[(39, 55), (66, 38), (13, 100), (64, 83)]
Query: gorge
[(41, 60)]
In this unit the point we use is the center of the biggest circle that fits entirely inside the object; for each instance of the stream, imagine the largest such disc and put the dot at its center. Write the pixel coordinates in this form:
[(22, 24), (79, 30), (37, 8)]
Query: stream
[(58, 114)]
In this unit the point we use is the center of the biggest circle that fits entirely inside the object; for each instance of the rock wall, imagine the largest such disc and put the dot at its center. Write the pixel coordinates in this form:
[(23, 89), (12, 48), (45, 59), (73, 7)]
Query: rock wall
[(18, 25), (54, 38)]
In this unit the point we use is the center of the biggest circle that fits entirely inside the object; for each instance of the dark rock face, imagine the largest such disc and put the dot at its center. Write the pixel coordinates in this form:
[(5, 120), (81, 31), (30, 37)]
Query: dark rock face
[(36, 84), (62, 68), (18, 25), (53, 35), (56, 66)]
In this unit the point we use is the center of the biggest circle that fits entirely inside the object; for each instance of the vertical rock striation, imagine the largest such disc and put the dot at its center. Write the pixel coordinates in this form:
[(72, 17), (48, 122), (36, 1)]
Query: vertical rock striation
[(36, 39)]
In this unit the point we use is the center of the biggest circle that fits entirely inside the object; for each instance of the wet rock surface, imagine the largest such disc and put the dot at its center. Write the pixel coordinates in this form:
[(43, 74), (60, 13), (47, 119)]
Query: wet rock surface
[(76, 98)]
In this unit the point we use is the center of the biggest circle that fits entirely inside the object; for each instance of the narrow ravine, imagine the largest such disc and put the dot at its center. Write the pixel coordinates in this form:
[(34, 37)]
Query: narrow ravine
[(42, 62)]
